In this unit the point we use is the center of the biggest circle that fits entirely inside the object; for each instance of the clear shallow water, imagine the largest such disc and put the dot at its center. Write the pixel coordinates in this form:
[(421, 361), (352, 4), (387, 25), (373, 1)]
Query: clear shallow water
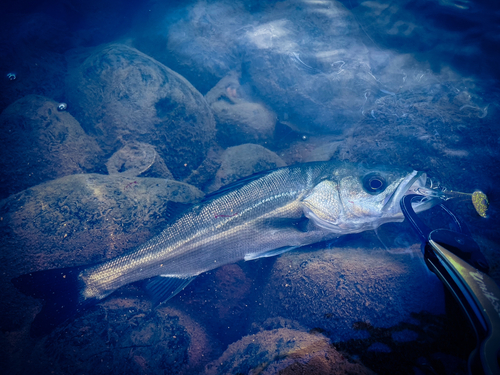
[(394, 83)]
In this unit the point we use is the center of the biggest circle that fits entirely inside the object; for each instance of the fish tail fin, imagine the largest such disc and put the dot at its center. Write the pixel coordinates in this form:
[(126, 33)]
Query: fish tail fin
[(61, 289)]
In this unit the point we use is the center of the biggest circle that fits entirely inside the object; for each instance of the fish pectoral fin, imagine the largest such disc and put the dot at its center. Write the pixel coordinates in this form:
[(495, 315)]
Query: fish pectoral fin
[(301, 224), (270, 253), (162, 288)]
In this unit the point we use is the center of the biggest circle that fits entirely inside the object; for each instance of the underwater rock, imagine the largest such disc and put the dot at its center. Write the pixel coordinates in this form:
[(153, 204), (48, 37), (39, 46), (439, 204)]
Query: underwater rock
[(238, 117), (332, 290), (138, 159), (39, 143), (221, 300), (432, 128), (307, 149), (87, 217), (80, 219), (310, 66), (121, 95), (124, 335), (397, 73), (202, 175), (276, 322), (198, 40), (412, 346), (244, 160), (233, 289), (283, 351), (430, 34)]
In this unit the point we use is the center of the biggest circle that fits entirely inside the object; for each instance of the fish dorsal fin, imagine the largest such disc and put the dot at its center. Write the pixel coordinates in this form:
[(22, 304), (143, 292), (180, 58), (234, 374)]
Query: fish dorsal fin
[(162, 288), (237, 184)]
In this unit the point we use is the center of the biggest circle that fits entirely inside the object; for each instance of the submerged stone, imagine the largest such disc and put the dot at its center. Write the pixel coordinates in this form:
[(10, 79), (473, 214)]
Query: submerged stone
[(334, 290), (283, 351), (39, 143), (78, 220), (137, 159), (125, 335), (244, 160), (310, 67), (121, 95), (239, 117), (199, 40)]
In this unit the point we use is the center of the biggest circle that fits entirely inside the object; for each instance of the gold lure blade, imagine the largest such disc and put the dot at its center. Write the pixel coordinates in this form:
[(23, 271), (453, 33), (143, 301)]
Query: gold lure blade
[(480, 202), (479, 199)]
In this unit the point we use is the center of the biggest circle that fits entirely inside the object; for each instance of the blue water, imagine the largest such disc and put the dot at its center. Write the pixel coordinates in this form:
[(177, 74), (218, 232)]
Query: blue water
[(158, 91)]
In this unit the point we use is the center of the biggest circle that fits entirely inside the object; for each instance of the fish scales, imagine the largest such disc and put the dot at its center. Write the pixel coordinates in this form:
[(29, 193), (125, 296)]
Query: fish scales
[(259, 216), (202, 240)]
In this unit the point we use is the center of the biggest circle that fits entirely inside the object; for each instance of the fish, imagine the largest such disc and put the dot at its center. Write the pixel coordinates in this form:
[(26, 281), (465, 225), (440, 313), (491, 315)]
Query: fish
[(263, 215)]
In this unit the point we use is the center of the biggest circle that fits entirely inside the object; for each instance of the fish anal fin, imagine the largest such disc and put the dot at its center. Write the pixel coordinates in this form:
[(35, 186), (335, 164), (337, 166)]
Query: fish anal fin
[(162, 288), (270, 253)]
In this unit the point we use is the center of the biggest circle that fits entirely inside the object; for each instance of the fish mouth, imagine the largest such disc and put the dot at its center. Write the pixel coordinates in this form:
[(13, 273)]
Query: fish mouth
[(414, 183)]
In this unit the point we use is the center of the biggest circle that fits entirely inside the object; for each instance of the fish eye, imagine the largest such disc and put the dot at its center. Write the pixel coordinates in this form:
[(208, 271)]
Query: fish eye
[(374, 183)]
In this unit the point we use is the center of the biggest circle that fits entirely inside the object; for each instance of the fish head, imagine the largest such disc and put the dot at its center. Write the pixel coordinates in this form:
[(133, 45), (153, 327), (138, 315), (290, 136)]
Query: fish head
[(355, 199)]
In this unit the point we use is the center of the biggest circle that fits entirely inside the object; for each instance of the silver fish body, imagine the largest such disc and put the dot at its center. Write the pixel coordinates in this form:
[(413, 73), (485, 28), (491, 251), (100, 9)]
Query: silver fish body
[(263, 215), (266, 215)]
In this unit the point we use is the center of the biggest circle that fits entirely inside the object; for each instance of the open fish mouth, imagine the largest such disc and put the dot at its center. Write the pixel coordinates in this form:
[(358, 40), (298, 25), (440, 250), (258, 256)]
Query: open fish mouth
[(414, 183)]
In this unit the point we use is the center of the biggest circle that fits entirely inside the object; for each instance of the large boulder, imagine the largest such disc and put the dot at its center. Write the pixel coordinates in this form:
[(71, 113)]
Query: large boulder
[(239, 117), (441, 128), (283, 351), (244, 160), (429, 31), (197, 40), (309, 66), (121, 95), (137, 159), (77, 220), (87, 217), (39, 143), (221, 300), (123, 335), (334, 290)]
